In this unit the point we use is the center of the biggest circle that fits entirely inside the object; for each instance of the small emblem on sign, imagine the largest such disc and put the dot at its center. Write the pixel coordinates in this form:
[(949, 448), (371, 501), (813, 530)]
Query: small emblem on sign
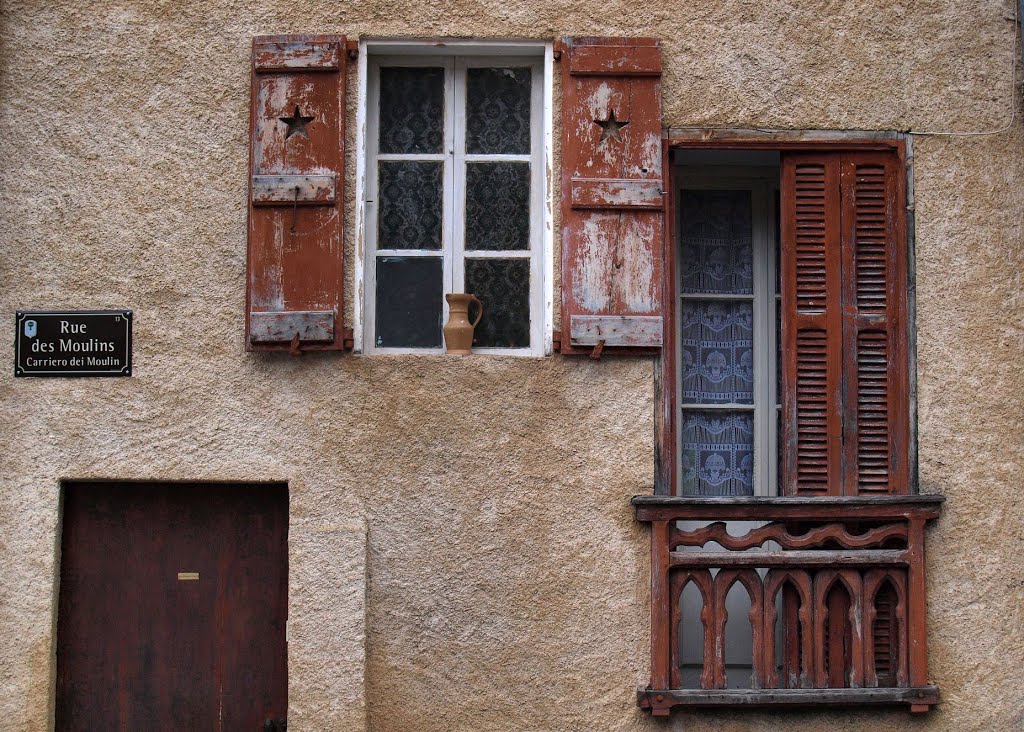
[(188, 575), (30, 329)]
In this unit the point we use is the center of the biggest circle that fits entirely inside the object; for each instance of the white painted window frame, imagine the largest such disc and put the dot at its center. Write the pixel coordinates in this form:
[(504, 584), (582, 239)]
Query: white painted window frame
[(763, 184), (456, 56)]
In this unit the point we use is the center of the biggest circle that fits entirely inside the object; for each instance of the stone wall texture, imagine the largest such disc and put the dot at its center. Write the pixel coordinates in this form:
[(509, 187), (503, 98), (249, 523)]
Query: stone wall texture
[(479, 506)]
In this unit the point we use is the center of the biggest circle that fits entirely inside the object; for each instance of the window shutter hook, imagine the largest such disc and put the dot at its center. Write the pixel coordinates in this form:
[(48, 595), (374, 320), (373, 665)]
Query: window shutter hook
[(295, 210)]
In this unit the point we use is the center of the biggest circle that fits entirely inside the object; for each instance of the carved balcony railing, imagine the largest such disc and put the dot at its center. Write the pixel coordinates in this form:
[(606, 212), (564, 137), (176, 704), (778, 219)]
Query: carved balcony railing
[(836, 591)]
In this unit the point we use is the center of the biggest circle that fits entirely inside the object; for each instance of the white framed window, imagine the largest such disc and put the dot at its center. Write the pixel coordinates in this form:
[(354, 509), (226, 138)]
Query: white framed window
[(453, 195), (727, 330)]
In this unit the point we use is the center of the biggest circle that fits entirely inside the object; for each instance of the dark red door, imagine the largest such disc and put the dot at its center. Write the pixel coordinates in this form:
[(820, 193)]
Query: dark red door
[(173, 602)]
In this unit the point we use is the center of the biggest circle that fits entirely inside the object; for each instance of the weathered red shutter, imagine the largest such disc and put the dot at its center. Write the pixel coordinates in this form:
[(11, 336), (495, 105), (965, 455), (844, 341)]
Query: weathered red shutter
[(812, 325), (875, 325), (844, 357), (296, 253), (612, 195)]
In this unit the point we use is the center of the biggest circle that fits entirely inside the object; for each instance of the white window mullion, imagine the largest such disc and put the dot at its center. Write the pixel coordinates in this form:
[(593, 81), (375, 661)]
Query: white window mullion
[(772, 396), (762, 425), (537, 285), (458, 240), (450, 176), (372, 197)]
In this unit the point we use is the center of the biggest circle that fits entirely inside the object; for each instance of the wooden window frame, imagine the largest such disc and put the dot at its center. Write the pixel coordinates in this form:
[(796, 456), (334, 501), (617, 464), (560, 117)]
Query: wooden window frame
[(666, 386), (456, 56)]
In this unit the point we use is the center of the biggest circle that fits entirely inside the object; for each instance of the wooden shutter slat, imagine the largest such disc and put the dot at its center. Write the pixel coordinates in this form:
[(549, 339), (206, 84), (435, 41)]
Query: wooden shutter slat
[(612, 200), (811, 325), (874, 325), (295, 246)]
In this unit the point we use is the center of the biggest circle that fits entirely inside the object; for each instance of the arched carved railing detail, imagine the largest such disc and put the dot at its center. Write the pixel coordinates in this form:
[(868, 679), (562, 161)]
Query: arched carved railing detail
[(751, 581), (704, 583), (824, 583), (874, 581), (717, 532), (829, 550), (774, 582)]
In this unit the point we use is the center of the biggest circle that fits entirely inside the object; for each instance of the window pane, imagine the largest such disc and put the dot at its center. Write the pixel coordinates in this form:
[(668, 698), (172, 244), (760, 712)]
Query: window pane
[(503, 285), (718, 352), (411, 110), (409, 302), (718, 453), (498, 206), (717, 242), (409, 205), (498, 111)]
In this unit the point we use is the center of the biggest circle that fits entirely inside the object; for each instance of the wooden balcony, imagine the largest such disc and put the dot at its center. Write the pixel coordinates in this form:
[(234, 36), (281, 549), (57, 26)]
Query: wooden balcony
[(836, 591)]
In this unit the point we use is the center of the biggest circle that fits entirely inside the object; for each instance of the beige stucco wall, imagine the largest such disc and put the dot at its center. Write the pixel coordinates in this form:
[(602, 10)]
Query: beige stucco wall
[(505, 580)]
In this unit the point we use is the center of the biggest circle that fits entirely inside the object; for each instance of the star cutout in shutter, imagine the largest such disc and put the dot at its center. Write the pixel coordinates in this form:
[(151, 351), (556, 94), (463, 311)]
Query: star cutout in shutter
[(296, 123), (610, 128)]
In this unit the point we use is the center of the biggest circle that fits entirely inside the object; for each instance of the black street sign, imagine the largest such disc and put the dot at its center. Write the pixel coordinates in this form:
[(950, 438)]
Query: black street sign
[(73, 343)]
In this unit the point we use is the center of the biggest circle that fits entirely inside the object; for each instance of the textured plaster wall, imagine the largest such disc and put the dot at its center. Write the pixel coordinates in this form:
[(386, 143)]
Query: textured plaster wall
[(505, 579)]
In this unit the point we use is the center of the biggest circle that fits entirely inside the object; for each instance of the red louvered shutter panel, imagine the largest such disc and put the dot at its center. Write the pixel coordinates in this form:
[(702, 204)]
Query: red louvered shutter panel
[(812, 325), (612, 201), (874, 327), (296, 255), (845, 381)]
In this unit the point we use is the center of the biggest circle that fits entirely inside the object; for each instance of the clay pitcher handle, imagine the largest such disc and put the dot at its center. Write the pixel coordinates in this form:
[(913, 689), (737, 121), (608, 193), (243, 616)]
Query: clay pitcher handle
[(480, 312)]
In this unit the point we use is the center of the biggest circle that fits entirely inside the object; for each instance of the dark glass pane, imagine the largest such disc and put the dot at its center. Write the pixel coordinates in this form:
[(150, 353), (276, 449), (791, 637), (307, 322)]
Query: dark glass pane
[(718, 352), (411, 110), (409, 302), (718, 453), (498, 206), (503, 285), (717, 242), (409, 205), (498, 111)]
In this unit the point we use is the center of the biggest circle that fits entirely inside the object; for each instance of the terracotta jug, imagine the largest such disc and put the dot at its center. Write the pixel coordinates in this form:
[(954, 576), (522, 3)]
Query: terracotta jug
[(458, 332)]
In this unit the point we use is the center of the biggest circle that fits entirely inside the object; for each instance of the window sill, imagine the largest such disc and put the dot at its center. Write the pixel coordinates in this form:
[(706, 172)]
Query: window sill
[(661, 701)]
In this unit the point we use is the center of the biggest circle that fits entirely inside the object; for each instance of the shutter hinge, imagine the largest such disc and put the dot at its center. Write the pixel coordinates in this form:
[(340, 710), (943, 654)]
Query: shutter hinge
[(352, 49), (348, 342), (558, 48)]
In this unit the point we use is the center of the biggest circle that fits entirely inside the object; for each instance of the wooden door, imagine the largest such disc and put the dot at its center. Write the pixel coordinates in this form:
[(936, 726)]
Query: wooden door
[(172, 610)]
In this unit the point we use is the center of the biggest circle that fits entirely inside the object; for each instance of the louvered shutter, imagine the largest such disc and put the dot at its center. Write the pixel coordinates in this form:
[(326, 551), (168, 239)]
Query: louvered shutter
[(874, 325), (812, 327), (612, 201), (844, 357), (295, 253)]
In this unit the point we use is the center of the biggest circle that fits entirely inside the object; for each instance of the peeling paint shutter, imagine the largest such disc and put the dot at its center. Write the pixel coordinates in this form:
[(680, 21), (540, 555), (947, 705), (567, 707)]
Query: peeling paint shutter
[(844, 356), (612, 202), (296, 253)]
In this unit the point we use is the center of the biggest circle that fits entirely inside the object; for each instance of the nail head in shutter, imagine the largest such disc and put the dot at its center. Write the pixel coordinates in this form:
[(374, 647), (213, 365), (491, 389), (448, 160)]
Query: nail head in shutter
[(612, 183), (295, 265)]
